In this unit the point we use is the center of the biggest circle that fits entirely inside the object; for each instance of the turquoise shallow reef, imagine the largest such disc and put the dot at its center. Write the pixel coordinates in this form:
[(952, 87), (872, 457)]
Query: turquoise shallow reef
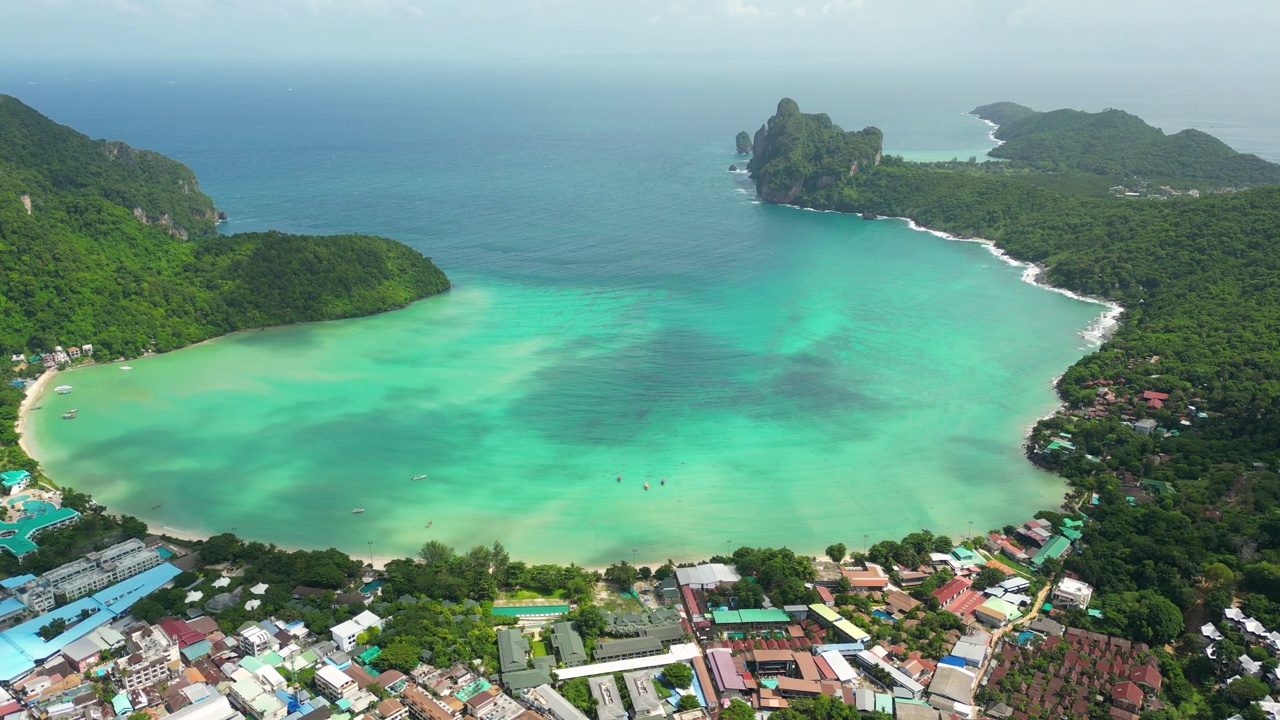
[(622, 306)]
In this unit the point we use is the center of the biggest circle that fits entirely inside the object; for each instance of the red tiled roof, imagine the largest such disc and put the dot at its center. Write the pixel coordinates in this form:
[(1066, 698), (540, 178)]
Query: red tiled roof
[(1127, 692), (951, 589), (1147, 675), (966, 603), (180, 632)]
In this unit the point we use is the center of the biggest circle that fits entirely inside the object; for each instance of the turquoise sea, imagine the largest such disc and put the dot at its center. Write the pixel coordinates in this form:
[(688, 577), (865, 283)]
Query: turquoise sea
[(622, 306)]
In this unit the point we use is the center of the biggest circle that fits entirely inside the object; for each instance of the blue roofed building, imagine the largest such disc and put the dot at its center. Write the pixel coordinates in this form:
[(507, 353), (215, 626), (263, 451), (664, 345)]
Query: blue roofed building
[(21, 646)]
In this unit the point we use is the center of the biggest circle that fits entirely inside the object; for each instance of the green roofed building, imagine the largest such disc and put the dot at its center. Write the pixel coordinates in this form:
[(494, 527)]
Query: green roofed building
[(751, 620), (14, 480), (1055, 548), (17, 537), (525, 679), (833, 619), (513, 651), (568, 645), (996, 612)]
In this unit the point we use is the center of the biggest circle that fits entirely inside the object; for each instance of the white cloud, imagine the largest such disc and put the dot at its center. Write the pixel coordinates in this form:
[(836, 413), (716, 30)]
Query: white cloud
[(800, 11), (738, 8)]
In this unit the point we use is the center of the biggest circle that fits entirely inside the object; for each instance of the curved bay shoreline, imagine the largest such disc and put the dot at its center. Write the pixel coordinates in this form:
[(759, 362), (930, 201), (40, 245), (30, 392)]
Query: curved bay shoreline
[(1106, 322)]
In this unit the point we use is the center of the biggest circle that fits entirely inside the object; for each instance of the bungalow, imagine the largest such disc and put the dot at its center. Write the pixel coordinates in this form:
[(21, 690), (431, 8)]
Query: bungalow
[(900, 603), (1155, 400), (1145, 427), (1147, 676), (1127, 696), (73, 352)]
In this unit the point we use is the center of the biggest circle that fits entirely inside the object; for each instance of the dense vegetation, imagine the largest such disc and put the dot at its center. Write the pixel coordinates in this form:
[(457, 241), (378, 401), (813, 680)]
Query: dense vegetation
[(1117, 144), (78, 265), (797, 152), (1198, 280), (54, 160), (94, 249)]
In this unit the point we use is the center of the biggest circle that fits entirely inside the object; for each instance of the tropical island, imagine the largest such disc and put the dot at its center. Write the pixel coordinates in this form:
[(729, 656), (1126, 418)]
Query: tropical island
[(106, 245), (1153, 593), (1168, 432)]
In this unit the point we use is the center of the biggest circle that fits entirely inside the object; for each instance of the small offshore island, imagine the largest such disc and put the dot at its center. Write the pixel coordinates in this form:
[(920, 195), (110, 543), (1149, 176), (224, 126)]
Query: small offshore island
[(1168, 435)]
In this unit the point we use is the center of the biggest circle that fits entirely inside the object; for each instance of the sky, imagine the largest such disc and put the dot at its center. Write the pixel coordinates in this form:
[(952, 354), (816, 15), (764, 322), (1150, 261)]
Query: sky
[(1181, 35)]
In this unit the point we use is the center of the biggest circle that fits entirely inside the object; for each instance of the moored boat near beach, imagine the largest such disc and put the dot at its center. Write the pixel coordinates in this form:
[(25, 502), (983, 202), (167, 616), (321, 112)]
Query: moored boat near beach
[(63, 389), (418, 477), (357, 511)]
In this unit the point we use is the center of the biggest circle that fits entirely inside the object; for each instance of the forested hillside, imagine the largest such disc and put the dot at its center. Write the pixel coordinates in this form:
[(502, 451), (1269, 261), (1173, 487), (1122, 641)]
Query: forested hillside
[(78, 265), (94, 249), (797, 152), (1120, 145), (1189, 510)]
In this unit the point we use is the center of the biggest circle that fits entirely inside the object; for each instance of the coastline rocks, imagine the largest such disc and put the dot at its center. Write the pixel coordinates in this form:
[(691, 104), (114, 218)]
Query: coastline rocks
[(870, 216), (743, 141), (733, 168)]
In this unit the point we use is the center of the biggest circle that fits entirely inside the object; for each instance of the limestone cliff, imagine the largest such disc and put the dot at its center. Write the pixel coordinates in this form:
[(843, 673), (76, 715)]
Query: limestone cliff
[(795, 153)]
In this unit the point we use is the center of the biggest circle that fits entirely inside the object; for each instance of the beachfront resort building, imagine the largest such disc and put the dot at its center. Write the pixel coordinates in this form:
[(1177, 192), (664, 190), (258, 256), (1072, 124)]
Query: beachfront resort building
[(34, 517), (100, 569), (14, 480)]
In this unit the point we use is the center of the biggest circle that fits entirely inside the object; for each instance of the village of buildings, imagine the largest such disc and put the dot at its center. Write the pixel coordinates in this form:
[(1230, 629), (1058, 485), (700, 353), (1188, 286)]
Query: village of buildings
[(72, 649)]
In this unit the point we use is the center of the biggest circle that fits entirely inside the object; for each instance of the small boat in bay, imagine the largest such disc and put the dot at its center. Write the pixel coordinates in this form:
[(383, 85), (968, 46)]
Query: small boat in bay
[(125, 367), (357, 511), (418, 477), (646, 486), (70, 414), (156, 506), (63, 389)]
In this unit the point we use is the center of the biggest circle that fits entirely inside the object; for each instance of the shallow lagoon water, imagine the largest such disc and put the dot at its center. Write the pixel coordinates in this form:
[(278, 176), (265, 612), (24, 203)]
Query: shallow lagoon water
[(622, 306)]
